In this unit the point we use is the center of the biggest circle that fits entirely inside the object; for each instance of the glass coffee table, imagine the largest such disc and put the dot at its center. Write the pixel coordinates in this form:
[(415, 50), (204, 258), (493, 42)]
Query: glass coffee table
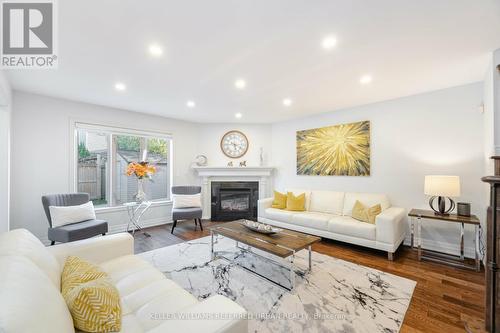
[(284, 245)]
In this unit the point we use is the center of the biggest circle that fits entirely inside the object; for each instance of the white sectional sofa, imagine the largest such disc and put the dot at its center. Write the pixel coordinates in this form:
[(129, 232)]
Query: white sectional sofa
[(328, 215), (30, 298)]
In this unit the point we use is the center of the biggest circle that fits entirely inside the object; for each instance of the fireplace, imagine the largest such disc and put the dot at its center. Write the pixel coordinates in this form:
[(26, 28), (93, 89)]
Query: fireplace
[(234, 200)]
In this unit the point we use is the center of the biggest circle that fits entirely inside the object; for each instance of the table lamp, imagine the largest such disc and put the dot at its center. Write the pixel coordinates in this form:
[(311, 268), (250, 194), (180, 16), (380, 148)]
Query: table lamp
[(442, 188)]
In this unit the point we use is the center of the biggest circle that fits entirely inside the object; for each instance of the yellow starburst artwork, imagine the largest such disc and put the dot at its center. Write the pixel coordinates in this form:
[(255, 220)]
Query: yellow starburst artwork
[(340, 150)]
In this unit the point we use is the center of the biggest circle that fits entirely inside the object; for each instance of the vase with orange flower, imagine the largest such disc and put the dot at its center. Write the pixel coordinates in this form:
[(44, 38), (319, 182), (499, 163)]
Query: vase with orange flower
[(142, 171)]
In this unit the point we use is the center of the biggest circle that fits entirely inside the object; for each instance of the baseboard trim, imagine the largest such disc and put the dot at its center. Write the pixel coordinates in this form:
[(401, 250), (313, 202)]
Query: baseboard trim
[(145, 224), (427, 243), (448, 248)]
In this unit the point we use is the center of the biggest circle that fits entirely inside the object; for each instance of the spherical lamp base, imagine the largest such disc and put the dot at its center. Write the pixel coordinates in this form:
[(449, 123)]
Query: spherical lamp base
[(441, 205)]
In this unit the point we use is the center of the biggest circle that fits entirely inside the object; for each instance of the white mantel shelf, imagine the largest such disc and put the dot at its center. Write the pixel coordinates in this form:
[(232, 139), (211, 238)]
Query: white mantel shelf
[(208, 174), (214, 171)]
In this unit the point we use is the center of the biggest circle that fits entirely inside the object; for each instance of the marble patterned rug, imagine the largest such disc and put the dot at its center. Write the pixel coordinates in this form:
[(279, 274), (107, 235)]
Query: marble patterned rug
[(337, 296)]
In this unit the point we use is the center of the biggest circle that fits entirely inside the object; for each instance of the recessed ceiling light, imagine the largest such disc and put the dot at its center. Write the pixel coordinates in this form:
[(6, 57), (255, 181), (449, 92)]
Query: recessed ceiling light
[(238, 115), (365, 79), (120, 86), (190, 104), (240, 84), (287, 102), (329, 42), (155, 50)]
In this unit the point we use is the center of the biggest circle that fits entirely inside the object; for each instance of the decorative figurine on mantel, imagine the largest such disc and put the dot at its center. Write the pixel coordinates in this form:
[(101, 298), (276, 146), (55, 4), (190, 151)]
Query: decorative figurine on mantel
[(201, 160), (230, 164), (243, 164)]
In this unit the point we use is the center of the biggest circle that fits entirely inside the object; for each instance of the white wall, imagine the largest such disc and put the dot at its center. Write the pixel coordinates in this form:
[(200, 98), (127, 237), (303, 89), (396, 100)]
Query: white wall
[(489, 118), (410, 138), (41, 155), (433, 133), (496, 98), (258, 136), (5, 116)]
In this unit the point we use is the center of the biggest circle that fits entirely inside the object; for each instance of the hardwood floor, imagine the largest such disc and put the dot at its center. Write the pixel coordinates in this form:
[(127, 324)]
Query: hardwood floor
[(445, 300)]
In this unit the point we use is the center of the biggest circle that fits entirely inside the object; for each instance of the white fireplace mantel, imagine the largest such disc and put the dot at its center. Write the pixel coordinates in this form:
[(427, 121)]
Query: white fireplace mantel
[(208, 174), (208, 171)]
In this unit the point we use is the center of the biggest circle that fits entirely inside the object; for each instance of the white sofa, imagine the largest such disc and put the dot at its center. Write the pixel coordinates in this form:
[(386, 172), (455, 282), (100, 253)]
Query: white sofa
[(30, 298), (328, 215)]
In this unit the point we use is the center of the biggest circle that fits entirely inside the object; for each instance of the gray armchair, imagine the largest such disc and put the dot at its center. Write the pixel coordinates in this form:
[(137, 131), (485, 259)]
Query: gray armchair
[(74, 231), (192, 213)]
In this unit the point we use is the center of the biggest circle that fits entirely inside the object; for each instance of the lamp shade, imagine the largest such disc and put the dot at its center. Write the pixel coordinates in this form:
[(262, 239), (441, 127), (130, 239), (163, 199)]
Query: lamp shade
[(444, 186)]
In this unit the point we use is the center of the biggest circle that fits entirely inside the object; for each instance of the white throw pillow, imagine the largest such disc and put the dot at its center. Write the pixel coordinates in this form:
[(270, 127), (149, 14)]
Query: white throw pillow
[(186, 200), (62, 215)]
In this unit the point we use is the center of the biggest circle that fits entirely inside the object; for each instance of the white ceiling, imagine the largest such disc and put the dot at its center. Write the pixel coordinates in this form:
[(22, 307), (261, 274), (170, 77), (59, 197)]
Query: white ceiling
[(408, 47)]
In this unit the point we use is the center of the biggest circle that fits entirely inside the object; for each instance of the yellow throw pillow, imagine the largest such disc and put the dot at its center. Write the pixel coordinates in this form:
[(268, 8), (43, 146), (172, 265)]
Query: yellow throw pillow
[(279, 201), (92, 299), (296, 203), (77, 271), (361, 213)]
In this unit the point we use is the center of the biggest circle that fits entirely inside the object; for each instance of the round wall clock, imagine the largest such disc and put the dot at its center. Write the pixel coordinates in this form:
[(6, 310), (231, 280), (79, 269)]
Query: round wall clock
[(234, 144)]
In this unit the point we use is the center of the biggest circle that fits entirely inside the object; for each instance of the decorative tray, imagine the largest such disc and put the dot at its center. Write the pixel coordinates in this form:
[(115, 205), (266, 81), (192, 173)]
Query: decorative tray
[(261, 227)]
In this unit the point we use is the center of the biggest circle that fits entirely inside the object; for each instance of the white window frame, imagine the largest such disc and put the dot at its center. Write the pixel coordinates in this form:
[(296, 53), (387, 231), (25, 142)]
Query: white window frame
[(111, 131)]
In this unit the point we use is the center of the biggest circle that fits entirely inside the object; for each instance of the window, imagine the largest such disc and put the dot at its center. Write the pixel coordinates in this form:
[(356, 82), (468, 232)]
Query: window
[(103, 155)]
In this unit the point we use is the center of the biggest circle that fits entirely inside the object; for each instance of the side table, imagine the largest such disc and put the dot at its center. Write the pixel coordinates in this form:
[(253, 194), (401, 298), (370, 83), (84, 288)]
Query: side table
[(135, 211), (458, 261)]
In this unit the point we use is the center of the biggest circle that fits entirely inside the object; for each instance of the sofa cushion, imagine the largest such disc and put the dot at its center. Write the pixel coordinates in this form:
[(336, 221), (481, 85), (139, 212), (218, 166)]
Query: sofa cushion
[(367, 199), (77, 271), (146, 294), (95, 306), (21, 242), (279, 200), (62, 215), (312, 220), (346, 225), (365, 214), (91, 297), (227, 323), (306, 192), (186, 213), (29, 301), (77, 231), (327, 202), (186, 200), (296, 203), (278, 214)]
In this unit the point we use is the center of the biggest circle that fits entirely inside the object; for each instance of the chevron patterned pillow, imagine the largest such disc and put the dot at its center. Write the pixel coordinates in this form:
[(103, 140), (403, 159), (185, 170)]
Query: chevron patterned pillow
[(92, 299), (77, 271)]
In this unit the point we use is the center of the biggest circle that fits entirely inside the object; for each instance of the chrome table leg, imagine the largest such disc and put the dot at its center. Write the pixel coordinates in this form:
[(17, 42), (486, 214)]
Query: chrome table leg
[(477, 229), (462, 230), (419, 238), (212, 244), (310, 258), (412, 232)]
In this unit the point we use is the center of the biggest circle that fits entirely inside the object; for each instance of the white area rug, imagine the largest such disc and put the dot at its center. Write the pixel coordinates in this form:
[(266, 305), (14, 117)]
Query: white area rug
[(337, 296)]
